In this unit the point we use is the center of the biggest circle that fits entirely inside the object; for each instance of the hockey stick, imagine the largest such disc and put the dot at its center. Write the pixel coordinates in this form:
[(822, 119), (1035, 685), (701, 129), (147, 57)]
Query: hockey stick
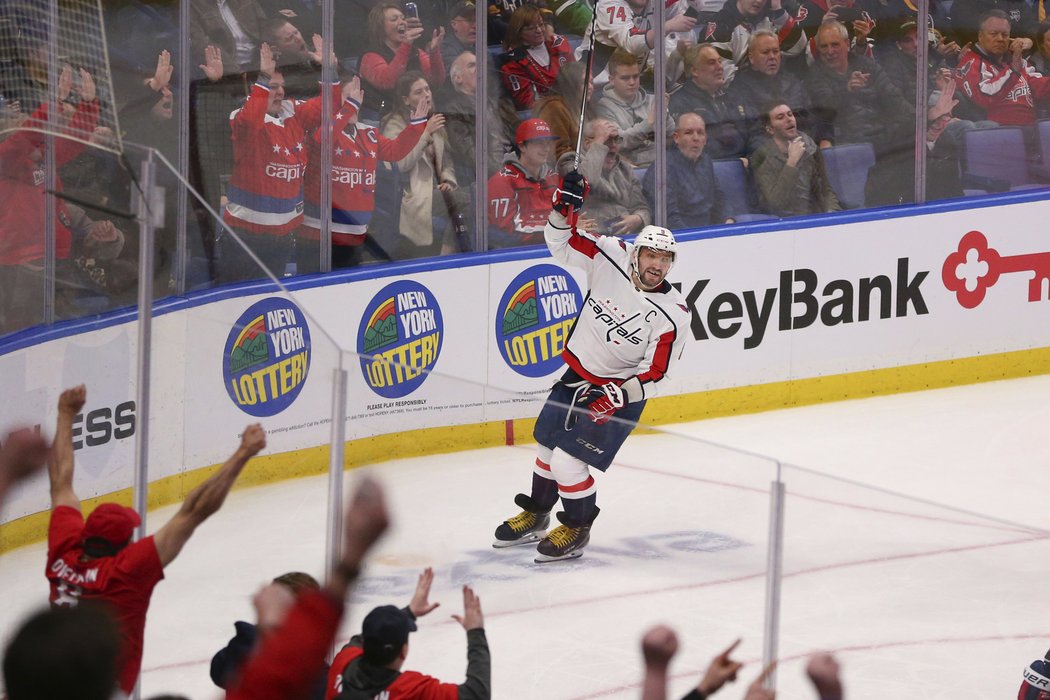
[(586, 85)]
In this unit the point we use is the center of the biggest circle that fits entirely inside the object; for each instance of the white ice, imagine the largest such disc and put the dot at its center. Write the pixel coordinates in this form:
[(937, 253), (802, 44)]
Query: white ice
[(916, 600)]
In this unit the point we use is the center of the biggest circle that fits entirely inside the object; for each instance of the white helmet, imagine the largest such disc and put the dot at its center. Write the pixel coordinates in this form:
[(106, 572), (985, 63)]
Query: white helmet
[(657, 238)]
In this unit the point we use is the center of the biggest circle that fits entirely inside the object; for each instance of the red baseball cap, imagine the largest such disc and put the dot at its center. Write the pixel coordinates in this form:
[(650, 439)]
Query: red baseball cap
[(111, 522), (531, 129)]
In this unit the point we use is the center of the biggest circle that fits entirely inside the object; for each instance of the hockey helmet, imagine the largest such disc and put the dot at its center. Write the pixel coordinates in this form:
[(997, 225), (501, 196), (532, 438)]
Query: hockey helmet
[(656, 238), (532, 129), (1036, 684)]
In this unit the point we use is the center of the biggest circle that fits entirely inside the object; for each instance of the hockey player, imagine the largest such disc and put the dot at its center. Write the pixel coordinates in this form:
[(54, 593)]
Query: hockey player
[(94, 559), (1036, 683), (631, 332), (265, 194), (520, 193), (357, 150)]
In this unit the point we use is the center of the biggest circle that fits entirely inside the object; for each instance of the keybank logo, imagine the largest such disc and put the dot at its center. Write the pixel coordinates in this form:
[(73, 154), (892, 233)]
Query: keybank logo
[(975, 267), (534, 318), (802, 299), (267, 357), (400, 338)]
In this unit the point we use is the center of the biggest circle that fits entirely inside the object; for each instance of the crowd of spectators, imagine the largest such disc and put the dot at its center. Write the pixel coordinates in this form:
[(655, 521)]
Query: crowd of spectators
[(404, 178)]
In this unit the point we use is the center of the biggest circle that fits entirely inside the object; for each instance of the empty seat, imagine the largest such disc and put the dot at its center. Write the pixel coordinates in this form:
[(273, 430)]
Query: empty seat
[(995, 160), (735, 183), (848, 167)]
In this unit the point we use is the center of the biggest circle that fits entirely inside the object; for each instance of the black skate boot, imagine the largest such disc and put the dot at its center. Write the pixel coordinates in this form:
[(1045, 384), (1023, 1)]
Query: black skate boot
[(526, 527), (565, 541)]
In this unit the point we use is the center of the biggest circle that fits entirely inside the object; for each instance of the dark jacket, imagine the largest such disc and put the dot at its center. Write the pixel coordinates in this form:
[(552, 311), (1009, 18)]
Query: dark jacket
[(228, 662), (694, 198), (784, 191), (726, 117), (876, 113), (757, 91), (207, 27)]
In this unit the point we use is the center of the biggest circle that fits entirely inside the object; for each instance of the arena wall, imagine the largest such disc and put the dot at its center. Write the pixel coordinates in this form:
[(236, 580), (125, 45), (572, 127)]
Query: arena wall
[(822, 309)]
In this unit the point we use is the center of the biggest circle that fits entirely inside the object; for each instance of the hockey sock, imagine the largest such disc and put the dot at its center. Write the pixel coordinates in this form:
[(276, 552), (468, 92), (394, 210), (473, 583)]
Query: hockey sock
[(544, 487), (576, 487)]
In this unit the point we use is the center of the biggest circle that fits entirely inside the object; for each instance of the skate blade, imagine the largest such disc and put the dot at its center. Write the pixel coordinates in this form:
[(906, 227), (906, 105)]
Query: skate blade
[(531, 538), (544, 559)]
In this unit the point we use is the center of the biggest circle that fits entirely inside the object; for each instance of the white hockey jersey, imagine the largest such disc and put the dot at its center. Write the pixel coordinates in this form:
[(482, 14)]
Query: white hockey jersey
[(618, 25), (622, 334)]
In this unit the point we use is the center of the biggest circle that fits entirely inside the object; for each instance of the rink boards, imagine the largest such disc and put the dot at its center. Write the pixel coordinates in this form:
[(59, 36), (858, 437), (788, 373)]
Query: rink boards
[(830, 308)]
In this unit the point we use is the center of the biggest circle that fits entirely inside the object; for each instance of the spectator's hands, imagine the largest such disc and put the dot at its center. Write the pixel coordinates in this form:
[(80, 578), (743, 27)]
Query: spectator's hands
[(942, 78), (603, 130), (87, 86), (445, 186), (272, 604), (472, 618), (163, 108), (757, 689), (365, 522), (628, 224), (352, 90), (423, 109), (253, 440), (857, 80), (1017, 51), (681, 23), (101, 232), (947, 49), (414, 31), (659, 645), (102, 136), (796, 149), (436, 122), (585, 224), (317, 55), (823, 672), (161, 77), (1020, 44), (65, 82), (267, 64), (420, 604), (24, 453), (862, 28), (946, 102), (720, 671), (435, 40), (72, 400), (212, 66)]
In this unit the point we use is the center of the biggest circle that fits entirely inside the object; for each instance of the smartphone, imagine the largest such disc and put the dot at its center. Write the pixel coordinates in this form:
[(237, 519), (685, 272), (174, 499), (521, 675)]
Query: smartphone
[(411, 10)]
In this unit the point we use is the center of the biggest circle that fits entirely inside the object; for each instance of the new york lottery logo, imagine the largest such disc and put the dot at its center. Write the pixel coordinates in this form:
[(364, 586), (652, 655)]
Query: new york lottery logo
[(534, 318), (400, 338), (267, 357)]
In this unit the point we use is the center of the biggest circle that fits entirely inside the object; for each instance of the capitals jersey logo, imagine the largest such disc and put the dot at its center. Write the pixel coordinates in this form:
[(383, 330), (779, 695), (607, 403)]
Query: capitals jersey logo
[(621, 328)]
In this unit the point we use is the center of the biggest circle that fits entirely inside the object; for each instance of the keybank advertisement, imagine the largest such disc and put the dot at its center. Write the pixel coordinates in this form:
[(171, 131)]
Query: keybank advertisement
[(480, 343)]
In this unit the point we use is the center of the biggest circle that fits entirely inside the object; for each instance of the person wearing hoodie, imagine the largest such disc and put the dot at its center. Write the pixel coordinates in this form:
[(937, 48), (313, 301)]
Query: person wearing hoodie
[(520, 193), (626, 104), (371, 664)]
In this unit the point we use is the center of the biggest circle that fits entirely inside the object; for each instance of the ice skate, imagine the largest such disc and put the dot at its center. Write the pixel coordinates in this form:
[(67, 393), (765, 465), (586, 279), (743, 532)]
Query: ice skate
[(526, 527), (563, 542)]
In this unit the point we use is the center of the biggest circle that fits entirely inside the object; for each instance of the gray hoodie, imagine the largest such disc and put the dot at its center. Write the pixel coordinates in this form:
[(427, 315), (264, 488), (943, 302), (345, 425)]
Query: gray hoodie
[(632, 118)]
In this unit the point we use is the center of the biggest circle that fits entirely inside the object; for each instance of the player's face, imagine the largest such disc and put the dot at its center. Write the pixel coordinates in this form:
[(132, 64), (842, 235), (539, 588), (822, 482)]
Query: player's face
[(782, 124), (832, 49), (420, 90), (273, 104), (690, 136), (707, 71), (994, 36), (626, 82), (653, 266), (765, 55)]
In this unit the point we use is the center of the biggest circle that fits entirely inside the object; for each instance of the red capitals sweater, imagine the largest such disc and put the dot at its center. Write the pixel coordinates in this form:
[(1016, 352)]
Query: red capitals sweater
[(22, 183), (265, 194), (358, 148)]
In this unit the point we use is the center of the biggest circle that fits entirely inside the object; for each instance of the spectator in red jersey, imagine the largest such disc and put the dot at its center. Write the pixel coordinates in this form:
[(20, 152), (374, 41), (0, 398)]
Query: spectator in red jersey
[(532, 59), (265, 194), (285, 665), (95, 560), (391, 52), (429, 190), (358, 148), (995, 76), (370, 665), (520, 193), (22, 218)]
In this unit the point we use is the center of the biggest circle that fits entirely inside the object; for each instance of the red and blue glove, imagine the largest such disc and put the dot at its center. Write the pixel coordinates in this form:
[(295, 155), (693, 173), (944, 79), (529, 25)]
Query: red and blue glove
[(568, 198), (603, 401)]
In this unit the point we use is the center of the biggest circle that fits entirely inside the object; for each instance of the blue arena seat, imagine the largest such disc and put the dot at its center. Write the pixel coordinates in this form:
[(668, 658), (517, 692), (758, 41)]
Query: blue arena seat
[(995, 159), (736, 187), (848, 167)]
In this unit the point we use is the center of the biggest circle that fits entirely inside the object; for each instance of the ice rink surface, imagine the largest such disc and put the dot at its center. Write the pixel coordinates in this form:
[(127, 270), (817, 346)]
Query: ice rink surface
[(912, 552)]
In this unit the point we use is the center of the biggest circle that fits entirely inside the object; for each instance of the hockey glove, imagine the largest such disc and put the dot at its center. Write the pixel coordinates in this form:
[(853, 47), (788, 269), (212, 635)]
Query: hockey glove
[(568, 198), (603, 401)]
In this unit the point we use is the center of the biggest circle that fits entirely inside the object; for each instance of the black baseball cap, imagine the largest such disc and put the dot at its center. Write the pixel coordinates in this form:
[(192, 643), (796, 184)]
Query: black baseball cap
[(462, 9), (383, 633)]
